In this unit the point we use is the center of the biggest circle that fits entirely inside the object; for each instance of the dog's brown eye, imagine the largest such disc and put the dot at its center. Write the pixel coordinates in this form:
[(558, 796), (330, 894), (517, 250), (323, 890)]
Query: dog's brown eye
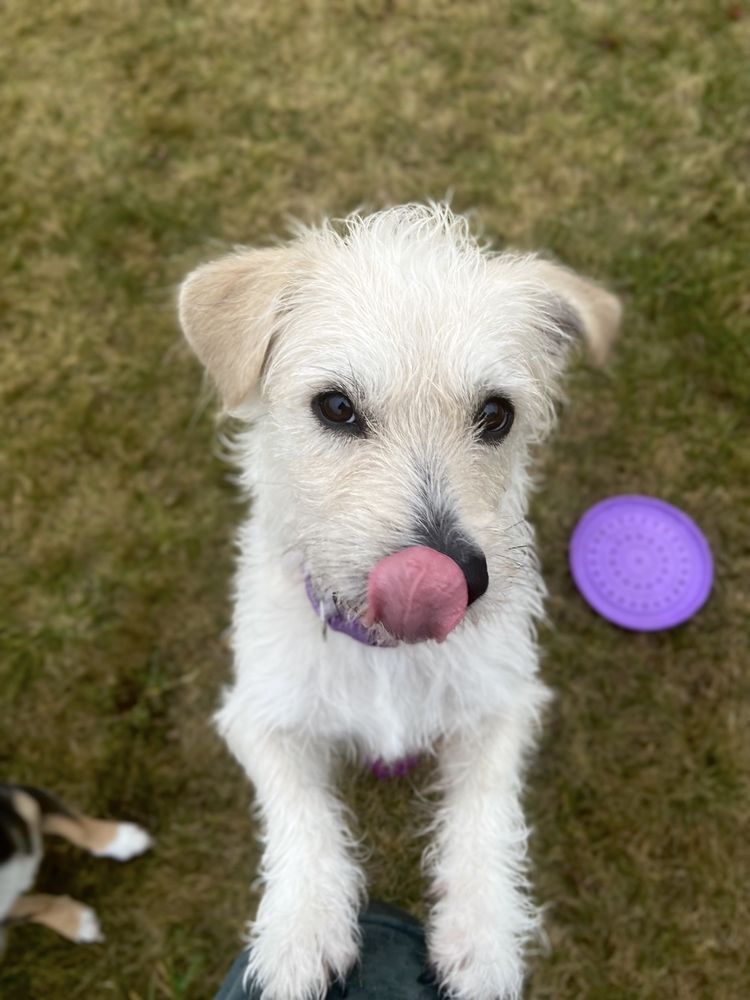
[(337, 409), (495, 418)]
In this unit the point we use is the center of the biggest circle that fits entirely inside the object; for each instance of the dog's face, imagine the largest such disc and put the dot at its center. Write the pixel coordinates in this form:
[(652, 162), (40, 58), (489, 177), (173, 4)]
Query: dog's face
[(396, 375)]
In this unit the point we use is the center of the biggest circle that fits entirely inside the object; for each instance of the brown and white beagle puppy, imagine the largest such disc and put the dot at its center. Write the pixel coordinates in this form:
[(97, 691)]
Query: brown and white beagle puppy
[(26, 814)]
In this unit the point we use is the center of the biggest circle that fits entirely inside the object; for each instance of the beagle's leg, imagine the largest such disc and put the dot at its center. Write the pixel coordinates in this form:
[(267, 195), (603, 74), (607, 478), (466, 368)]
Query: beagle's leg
[(66, 916), (101, 837)]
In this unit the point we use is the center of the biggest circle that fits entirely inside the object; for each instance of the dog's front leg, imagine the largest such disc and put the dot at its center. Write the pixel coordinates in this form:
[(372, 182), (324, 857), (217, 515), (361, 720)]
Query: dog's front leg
[(305, 933), (483, 916)]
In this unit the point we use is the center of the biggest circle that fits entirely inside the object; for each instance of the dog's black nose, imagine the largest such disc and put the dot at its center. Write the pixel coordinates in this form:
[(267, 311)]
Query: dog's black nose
[(438, 529), (474, 568)]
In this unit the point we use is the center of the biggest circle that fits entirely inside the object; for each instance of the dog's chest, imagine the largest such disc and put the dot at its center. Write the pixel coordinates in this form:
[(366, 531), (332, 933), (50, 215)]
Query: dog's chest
[(386, 702), (296, 675)]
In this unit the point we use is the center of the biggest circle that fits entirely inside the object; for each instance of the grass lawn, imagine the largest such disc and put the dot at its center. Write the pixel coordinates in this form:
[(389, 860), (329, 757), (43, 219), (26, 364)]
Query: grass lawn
[(139, 138)]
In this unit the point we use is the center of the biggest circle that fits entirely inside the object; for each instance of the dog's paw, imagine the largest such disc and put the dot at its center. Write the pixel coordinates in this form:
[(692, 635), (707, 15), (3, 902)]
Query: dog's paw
[(479, 955), (297, 951), (89, 930), (128, 842)]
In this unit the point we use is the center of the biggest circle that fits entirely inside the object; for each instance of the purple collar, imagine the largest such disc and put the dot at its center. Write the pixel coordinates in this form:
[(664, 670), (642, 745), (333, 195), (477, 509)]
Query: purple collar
[(327, 610)]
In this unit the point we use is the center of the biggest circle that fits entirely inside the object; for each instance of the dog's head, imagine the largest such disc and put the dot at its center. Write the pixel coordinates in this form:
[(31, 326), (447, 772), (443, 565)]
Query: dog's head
[(395, 374)]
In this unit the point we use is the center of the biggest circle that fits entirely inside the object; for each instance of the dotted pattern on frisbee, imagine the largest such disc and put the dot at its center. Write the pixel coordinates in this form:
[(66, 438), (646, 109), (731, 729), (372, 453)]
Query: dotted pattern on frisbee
[(641, 563)]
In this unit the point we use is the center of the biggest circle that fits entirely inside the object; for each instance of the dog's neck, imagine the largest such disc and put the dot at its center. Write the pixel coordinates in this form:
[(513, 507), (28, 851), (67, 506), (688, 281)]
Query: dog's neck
[(331, 617)]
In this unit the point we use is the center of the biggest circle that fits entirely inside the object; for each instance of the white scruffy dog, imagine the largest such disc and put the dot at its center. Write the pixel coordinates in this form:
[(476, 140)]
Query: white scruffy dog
[(393, 375)]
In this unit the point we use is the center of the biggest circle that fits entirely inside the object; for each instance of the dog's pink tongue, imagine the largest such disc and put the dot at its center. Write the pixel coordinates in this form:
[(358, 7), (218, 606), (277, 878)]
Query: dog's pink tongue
[(417, 593)]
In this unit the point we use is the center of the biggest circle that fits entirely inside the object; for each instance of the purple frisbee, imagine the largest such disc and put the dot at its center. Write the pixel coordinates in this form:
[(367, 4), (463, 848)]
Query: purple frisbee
[(641, 563)]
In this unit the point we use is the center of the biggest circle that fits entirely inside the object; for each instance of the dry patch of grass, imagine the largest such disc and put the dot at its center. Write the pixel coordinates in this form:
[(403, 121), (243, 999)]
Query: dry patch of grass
[(139, 138)]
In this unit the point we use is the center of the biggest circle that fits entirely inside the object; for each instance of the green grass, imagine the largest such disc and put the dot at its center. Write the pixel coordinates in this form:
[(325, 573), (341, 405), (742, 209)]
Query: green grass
[(139, 138)]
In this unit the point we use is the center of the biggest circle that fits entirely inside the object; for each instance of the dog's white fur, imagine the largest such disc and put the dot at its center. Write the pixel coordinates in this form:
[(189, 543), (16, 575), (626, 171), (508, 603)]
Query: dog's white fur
[(418, 324)]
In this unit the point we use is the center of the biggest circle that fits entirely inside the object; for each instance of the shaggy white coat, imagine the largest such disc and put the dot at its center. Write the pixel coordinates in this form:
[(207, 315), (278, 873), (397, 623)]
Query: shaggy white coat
[(417, 323)]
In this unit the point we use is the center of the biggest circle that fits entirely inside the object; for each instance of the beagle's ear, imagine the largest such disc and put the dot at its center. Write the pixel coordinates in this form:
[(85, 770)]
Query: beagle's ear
[(229, 311), (587, 310)]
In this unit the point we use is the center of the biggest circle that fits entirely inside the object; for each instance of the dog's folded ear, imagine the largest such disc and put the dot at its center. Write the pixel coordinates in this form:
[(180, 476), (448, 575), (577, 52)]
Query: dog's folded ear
[(229, 311), (587, 310)]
